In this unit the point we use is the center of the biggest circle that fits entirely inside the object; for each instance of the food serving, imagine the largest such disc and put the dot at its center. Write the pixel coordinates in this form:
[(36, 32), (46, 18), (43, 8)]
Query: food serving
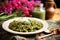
[(25, 26)]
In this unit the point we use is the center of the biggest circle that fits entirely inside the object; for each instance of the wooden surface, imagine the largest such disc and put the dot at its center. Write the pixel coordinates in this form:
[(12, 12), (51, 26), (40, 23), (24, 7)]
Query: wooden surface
[(57, 14)]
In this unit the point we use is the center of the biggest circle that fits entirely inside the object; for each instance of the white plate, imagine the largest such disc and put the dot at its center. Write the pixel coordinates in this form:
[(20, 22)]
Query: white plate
[(6, 24)]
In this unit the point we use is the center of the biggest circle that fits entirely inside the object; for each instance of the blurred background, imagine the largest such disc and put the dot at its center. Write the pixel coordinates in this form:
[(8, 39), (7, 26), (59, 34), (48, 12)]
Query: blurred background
[(56, 1)]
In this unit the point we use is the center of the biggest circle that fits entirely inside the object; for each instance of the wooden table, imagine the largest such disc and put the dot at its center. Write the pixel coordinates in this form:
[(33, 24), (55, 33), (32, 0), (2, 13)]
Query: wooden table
[(57, 14)]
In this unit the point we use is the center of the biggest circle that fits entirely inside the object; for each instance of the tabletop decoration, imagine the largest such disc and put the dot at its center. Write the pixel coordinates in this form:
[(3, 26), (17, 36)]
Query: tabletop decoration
[(50, 9), (12, 5), (39, 11), (17, 8)]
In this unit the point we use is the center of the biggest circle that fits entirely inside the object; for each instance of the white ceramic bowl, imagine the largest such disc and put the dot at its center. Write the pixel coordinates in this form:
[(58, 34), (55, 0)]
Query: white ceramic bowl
[(6, 24)]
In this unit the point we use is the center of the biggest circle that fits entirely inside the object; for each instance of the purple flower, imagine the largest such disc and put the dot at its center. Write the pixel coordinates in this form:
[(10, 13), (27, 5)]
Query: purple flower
[(38, 2), (10, 5), (32, 2)]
